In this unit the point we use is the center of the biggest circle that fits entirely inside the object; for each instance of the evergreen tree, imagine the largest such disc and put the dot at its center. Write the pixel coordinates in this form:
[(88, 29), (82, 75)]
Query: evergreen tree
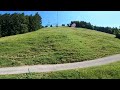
[(5, 27), (23, 28), (37, 21), (31, 24)]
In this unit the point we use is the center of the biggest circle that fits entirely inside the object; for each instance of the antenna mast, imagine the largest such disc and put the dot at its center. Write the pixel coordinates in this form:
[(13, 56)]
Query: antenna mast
[(57, 18)]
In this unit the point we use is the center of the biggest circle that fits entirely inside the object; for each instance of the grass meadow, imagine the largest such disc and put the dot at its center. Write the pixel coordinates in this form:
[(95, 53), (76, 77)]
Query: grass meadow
[(56, 45)]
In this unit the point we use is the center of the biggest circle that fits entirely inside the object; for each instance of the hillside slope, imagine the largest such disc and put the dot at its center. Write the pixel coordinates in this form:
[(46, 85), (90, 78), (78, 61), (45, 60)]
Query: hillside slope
[(56, 45)]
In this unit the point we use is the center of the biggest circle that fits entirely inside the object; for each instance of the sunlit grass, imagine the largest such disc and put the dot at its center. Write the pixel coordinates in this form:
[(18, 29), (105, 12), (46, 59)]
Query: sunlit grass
[(56, 45)]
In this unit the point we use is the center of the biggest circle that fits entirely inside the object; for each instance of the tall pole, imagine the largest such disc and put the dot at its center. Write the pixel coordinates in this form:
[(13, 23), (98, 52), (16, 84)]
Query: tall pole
[(57, 18)]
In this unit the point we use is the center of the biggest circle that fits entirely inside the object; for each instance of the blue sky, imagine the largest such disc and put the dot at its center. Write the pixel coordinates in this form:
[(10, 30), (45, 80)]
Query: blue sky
[(99, 18)]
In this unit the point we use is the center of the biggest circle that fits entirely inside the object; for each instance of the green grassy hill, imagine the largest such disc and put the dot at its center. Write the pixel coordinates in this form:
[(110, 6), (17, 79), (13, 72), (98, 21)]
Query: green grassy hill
[(56, 45)]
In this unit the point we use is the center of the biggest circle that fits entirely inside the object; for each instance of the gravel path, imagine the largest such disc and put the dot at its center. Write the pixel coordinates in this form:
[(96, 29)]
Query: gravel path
[(57, 67)]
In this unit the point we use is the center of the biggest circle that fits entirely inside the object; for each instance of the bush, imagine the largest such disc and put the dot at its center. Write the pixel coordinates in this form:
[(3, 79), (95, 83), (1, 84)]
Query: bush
[(68, 25), (63, 24), (57, 25), (0, 31), (46, 26), (50, 25), (118, 35)]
